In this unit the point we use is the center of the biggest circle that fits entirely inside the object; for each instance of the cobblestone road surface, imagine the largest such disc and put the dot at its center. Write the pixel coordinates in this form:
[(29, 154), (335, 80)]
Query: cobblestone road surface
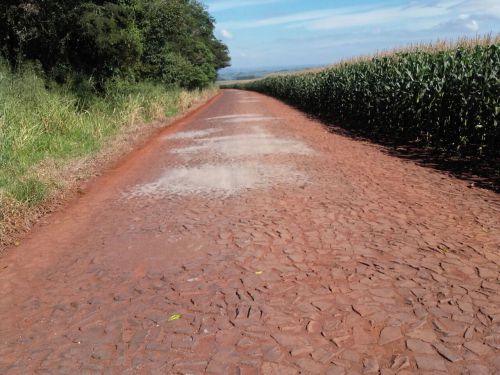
[(252, 241)]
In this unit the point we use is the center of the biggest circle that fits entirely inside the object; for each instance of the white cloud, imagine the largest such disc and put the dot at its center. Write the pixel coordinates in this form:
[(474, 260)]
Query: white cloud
[(327, 35), (464, 23), (219, 6), (377, 17), (226, 34), (472, 25), (416, 14), (481, 7), (279, 20)]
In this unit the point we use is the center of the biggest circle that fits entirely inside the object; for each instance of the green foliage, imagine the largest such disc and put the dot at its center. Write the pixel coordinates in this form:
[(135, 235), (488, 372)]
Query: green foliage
[(166, 41), (180, 47), (106, 42), (447, 99), (31, 191), (73, 73), (39, 124)]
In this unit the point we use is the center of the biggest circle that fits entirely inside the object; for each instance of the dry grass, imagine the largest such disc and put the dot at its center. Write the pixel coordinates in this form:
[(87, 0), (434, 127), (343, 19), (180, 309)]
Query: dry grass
[(17, 217)]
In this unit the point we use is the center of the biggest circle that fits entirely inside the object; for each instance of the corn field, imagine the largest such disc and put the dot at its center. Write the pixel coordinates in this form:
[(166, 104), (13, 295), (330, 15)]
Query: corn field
[(448, 99)]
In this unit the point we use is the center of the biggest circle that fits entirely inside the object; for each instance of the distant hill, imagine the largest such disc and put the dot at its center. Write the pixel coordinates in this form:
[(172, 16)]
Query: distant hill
[(242, 74)]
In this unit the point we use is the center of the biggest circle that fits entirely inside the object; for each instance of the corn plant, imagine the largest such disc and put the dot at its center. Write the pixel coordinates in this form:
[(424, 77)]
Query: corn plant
[(446, 98)]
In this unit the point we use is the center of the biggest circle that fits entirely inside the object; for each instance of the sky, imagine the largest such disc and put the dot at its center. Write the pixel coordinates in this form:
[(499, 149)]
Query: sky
[(267, 33)]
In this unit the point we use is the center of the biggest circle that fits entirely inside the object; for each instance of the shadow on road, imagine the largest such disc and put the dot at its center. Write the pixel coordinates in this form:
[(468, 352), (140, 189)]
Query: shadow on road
[(479, 172)]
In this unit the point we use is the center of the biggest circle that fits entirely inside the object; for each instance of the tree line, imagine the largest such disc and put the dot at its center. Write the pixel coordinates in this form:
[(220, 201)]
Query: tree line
[(167, 41)]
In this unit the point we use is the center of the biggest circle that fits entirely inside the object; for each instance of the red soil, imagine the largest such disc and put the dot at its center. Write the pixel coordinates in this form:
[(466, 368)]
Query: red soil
[(362, 262)]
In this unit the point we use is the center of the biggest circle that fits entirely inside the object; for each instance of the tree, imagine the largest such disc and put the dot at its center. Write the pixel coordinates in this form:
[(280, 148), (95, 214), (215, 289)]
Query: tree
[(181, 28), (105, 41), (169, 41)]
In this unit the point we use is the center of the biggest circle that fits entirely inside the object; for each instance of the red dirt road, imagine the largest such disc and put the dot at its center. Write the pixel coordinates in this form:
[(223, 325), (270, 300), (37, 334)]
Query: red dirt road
[(284, 248)]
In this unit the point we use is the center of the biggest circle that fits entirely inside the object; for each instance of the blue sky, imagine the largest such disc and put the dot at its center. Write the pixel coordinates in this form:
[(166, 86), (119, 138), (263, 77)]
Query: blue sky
[(264, 33)]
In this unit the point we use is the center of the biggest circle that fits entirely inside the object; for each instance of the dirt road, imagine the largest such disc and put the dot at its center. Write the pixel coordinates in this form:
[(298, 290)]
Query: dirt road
[(249, 240)]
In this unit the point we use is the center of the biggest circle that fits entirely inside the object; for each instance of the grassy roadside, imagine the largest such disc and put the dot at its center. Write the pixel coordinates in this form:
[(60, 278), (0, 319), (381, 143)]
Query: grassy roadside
[(51, 137)]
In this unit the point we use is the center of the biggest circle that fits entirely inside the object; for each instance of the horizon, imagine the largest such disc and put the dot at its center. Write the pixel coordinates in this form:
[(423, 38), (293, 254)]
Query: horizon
[(262, 34)]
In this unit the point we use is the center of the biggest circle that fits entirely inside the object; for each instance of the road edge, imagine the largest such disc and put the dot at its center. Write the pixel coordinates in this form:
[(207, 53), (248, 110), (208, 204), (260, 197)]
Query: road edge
[(96, 169)]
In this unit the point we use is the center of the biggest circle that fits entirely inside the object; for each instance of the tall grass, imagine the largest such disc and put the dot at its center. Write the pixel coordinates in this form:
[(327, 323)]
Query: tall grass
[(41, 121), (445, 96)]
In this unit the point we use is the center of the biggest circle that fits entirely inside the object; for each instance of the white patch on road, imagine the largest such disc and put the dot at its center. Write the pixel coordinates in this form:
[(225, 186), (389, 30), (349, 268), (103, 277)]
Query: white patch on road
[(194, 134), (253, 144), (248, 119), (249, 101), (251, 117), (234, 116), (244, 169), (218, 179)]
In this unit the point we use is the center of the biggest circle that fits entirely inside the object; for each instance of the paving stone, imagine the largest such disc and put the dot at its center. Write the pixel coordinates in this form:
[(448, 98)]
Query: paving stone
[(469, 333), (463, 318), (301, 351), (430, 363), (308, 365), (476, 369), (245, 342), (483, 319), (400, 362), (449, 327), (493, 341), (313, 327), (278, 369), (419, 346), (217, 367), (370, 366), (453, 340), (182, 342), (227, 337), (490, 286), (289, 341), (247, 370), (487, 273), (322, 355), (191, 366), (426, 335), (158, 347), (362, 337), (204, 344), (389, 334), (272, 353), (447, 353), (477, 348), (102, 353), (335, 370), (365, 310), (351, 355)]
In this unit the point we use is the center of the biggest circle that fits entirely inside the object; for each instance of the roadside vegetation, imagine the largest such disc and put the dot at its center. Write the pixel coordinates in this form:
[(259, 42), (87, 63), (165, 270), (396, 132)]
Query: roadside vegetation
[(442, 96), (76, 77), (89, 42), (51, 137)]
